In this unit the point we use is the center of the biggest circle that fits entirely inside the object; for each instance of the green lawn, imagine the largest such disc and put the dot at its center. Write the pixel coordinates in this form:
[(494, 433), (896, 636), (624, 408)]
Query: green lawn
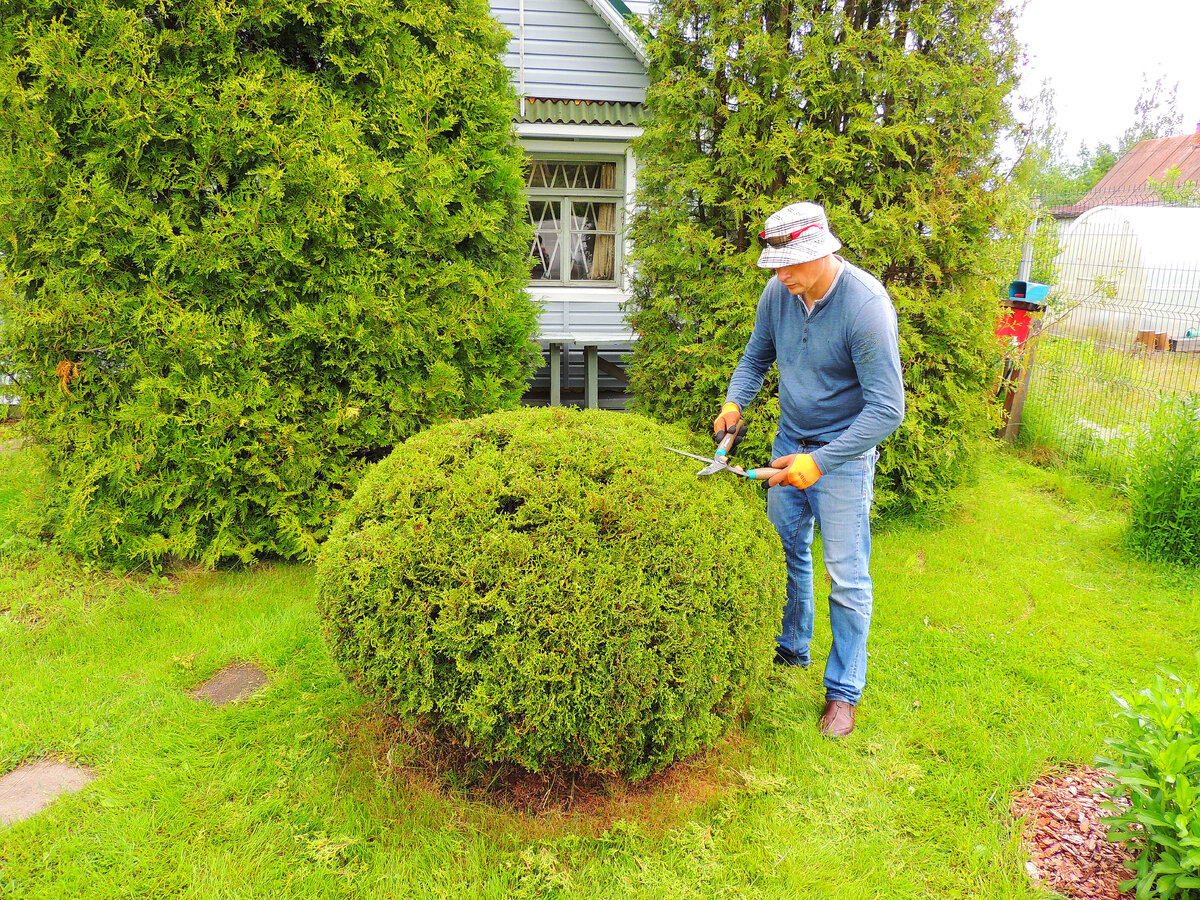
[(999, 634), (1086, 402)]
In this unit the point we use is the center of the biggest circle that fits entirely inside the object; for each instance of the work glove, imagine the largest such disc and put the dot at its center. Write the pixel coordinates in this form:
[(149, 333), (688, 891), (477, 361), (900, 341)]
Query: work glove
[(727, 420), (798, 469)]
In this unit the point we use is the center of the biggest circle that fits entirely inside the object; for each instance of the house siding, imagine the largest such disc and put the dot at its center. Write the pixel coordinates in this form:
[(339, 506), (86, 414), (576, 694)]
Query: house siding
[(582, 314), (570, 54)]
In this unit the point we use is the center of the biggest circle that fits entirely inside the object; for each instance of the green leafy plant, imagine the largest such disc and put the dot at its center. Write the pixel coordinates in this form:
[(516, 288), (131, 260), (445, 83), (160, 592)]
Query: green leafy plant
[(882, 112), (246, 247), (1164, 484), (1155, 765), (1173, 191), (553, 588)]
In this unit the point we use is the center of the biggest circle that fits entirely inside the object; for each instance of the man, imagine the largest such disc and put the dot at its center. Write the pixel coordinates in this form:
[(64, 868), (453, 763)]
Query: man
[(831, 329)]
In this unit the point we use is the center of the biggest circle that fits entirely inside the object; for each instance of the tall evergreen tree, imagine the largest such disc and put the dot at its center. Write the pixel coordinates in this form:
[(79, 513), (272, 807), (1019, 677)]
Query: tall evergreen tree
[(248, 245), (888, 113)]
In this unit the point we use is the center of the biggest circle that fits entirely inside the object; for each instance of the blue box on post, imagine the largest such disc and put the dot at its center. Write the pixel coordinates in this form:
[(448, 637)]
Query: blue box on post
[(1028, 295)]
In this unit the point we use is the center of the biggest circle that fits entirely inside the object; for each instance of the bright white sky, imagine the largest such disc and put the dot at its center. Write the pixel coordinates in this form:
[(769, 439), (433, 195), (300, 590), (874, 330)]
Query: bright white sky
[(1094, 53)]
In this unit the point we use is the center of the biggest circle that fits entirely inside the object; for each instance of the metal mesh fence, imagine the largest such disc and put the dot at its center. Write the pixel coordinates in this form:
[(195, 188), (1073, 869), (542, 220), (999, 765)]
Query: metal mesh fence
[(1122, 327)]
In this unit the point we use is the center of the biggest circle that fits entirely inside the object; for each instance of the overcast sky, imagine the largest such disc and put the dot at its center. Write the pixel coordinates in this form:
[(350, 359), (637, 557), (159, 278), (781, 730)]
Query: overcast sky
[(1094, 53)]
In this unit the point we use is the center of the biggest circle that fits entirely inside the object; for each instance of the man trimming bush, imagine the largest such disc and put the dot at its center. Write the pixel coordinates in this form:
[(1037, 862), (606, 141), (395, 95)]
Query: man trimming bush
[(831, 329)]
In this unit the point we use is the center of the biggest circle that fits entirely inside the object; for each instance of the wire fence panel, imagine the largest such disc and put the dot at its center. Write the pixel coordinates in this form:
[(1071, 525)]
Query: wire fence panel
[(1122, 326)]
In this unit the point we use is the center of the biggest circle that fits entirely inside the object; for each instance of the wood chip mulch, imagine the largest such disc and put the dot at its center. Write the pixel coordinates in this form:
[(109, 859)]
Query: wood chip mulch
[(1067, 839)]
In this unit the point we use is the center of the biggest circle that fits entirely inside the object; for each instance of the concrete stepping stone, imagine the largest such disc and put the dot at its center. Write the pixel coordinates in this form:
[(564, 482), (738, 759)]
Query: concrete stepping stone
[(231, 684), (28, 789)]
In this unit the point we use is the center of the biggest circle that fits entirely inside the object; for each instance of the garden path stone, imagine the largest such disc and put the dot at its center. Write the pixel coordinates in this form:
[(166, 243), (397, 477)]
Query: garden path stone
[(231, 684), (28, 789)]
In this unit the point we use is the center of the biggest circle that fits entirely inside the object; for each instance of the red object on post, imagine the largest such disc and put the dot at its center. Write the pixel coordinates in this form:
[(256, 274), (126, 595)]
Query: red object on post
[(1026, 300), (1014, 324)]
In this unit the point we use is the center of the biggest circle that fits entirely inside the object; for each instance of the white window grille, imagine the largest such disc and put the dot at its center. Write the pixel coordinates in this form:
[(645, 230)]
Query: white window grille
[(575, 210)]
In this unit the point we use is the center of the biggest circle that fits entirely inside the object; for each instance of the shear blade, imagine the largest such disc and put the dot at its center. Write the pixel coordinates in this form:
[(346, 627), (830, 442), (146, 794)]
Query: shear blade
[(714, 465), (689, 455)]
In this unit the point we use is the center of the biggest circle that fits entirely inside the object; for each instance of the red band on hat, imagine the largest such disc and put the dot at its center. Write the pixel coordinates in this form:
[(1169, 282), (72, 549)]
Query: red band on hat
[(794, 234)]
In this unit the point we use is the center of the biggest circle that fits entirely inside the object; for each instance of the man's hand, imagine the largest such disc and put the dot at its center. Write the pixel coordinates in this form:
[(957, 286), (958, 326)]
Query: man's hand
[(729, 419), (797, 469)]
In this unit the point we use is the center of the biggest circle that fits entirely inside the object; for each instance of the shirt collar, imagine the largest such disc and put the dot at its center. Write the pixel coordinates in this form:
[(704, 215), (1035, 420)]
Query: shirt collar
[(833, 284)]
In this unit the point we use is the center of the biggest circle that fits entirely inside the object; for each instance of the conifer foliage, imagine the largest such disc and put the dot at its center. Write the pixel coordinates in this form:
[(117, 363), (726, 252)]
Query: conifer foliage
[(885, 111), (249, 245), (552, 588)]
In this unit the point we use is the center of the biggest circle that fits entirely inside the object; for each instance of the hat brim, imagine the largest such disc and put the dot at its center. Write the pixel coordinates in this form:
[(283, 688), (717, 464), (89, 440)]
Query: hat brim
[(799, 251)]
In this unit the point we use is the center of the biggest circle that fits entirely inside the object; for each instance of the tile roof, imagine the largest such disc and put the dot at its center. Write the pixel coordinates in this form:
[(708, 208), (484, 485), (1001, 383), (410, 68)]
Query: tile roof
[(1128, 182)]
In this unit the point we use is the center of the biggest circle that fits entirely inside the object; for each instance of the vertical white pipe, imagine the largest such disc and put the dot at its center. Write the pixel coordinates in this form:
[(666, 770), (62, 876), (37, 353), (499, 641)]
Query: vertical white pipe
[(521, 68), (1026, 265)]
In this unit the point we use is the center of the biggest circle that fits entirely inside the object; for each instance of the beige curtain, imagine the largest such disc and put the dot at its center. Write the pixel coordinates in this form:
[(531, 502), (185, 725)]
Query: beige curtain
[(605, 251)]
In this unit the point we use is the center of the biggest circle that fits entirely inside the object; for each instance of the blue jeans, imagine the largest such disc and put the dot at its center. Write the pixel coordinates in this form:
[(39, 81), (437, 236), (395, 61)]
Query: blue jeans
[(840, 504)]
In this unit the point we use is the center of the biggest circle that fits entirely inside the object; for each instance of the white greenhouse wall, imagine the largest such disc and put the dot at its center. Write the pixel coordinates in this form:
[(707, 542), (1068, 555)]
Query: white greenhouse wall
[(1126, 270)]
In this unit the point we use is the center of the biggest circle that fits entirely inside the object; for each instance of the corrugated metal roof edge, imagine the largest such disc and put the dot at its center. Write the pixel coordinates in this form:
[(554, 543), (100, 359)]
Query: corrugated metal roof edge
[(582, 112)]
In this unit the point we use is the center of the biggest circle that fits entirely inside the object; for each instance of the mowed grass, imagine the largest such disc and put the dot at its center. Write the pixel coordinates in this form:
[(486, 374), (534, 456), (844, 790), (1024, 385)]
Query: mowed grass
[(999, 633)]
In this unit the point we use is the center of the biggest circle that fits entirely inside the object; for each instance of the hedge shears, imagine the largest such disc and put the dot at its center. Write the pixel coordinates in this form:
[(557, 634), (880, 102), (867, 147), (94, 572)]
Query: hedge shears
[(719, 464)]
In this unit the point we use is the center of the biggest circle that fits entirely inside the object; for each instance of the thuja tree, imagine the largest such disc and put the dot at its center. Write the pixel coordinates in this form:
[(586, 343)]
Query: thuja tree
[(887, 112), (249, 245)]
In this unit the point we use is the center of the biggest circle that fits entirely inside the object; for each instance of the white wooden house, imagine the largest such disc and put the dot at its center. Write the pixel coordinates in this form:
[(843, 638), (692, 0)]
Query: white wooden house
[(579, 70)]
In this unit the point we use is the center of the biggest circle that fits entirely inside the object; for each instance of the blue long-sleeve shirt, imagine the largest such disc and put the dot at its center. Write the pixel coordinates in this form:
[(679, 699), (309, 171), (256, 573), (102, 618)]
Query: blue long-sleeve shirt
[(839, 367)]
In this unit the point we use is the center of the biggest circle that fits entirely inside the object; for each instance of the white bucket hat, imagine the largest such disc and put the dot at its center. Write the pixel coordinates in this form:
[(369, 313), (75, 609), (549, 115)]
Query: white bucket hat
[(798, 233)]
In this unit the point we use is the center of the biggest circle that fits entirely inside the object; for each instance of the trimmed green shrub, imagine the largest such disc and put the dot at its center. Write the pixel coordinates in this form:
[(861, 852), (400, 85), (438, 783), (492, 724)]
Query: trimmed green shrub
[(554, 588), (247, 247), (1155, 796), (1164, 484), (888, 113)]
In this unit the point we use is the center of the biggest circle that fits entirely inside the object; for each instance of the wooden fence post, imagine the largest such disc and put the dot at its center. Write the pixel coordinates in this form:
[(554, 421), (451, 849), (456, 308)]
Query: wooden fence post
[(1012, 427)]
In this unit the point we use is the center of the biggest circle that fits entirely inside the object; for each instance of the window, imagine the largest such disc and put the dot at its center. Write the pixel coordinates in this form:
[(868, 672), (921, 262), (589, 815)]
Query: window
[(573, 207)]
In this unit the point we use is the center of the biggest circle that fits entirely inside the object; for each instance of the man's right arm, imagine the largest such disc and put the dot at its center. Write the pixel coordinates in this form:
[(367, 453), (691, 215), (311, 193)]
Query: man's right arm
[(757, 358)]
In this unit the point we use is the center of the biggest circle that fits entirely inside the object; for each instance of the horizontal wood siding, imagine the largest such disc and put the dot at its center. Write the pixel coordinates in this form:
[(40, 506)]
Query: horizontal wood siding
[(583, 312), (570, 54), (582, 317)]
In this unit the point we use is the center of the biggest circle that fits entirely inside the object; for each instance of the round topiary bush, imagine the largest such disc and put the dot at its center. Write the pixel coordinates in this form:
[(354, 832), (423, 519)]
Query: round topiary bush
[(553, 588)]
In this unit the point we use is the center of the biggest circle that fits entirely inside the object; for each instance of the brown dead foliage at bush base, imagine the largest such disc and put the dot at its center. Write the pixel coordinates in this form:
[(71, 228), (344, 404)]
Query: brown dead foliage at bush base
[(1067, 839), (584, 800)]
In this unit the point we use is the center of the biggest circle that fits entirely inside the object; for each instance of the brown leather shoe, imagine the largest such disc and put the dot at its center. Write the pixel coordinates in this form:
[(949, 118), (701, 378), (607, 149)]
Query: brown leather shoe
[(838, 718)]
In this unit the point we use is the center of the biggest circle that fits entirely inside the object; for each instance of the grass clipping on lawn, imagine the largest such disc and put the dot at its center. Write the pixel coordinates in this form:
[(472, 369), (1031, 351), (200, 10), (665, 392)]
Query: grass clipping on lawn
[(553, 588)]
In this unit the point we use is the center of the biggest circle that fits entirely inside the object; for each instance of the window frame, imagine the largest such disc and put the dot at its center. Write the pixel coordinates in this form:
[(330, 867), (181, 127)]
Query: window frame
[(566, 196)]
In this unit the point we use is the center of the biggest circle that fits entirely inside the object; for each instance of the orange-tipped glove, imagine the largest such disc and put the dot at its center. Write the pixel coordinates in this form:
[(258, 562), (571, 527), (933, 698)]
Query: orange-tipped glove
[(729, 419), (797, 469)]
